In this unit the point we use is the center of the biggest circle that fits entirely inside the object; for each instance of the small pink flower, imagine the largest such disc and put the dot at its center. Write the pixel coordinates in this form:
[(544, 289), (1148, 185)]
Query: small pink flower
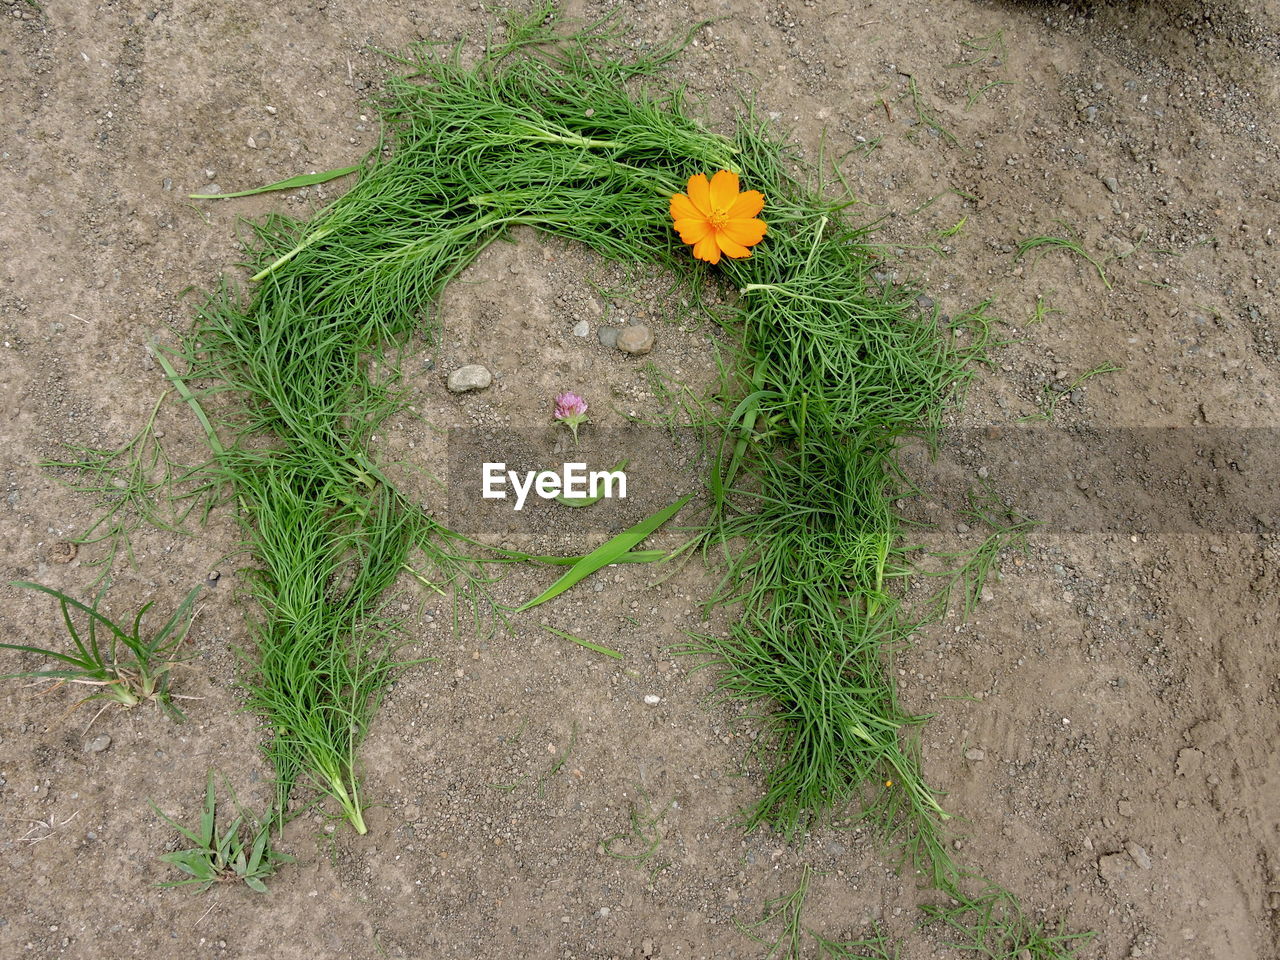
[(571, 410), (570, 405)]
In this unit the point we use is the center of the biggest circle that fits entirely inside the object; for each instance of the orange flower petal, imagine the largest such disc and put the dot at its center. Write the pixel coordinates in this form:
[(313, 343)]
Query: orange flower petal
[(682, 208), (700, 193), (707, 249), (745, 232), (724, 190), (731, 247), (747, 205), (692, 229)]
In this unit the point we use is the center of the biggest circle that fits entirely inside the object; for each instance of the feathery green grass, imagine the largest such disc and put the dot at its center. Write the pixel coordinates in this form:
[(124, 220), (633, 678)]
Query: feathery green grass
[(1062, 243), (833, 364), (990, 923), (785, 915), (136, 484)]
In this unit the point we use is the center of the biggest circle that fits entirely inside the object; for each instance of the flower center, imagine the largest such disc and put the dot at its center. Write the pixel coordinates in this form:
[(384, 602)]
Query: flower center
[(718, 219)]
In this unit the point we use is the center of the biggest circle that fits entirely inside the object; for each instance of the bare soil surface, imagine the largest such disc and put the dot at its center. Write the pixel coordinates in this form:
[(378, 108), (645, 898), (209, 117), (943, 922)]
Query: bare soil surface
[(1104, 721)]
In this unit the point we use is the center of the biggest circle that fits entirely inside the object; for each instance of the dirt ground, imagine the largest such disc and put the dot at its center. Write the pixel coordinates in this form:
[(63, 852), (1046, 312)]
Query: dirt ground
[(1105, 719)]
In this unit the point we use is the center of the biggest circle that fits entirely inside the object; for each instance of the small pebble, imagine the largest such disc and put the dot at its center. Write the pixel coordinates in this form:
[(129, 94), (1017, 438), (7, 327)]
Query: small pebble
[(635, 339), (975, 754), (98, 744), (608, 336), (473, 376), (581, 328), (1138, 855), (1111, 184), (652, 699)]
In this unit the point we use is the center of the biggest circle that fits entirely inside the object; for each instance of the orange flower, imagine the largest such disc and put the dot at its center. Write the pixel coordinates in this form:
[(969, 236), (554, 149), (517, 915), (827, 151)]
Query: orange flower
[(716, 218)]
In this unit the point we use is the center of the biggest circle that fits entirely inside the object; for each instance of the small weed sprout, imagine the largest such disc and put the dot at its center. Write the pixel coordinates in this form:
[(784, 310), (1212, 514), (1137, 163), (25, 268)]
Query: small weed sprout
[(125, 667), (240, 852), (1042, 310), (968, 570), (1052, 397), (643, 835)]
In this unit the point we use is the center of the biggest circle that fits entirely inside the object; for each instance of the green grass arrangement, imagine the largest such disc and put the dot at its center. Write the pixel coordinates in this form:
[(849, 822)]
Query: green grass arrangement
[(122, 665), (834, 363), (1063, 243)]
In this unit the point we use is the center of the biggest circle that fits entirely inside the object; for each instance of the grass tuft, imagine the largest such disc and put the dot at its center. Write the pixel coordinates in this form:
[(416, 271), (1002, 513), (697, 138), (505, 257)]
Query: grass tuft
[(786, 915), (240, 852), (990, 923), (124, 666)]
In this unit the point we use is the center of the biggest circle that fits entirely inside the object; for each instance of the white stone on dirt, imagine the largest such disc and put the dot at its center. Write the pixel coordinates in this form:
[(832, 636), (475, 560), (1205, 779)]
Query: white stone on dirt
[(98, 744), (471, 377), (652, 699)]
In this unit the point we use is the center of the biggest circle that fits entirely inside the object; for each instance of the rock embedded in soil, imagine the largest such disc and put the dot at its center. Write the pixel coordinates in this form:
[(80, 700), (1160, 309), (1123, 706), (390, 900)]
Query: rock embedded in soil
[(1138, 855), (1114, 866), (975, 754), (635, 339), (1189, 760), (608, 336), (581, 328), (98, 744), (471, 377)]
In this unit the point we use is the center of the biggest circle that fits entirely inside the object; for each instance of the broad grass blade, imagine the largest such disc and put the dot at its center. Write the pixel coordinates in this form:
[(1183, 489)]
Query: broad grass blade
[(302, 180), (607, 651), (608, 553)]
